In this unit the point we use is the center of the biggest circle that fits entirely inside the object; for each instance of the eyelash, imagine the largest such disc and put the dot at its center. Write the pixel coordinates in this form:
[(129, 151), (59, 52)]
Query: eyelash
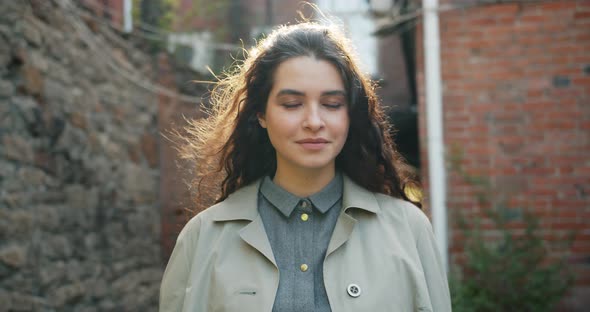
[(333, 105), (330, 106), (291, 105)]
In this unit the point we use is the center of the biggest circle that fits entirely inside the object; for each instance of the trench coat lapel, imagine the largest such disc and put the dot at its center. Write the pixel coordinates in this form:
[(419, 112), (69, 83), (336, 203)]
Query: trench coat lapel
[(353, 196), (255, 235), (243, 205), (342, 231)]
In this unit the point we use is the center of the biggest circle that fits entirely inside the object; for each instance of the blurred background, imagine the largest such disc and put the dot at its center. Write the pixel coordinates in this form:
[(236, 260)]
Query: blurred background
[(92, 193)]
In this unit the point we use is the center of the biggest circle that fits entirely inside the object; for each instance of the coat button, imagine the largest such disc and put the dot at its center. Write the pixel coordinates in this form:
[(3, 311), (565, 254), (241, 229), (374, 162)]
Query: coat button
[(304, 217), (304, 267), (353, 290)]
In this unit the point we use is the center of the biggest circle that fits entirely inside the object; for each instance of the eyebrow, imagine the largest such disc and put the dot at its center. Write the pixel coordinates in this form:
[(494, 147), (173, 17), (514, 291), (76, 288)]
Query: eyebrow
[(299, 93)]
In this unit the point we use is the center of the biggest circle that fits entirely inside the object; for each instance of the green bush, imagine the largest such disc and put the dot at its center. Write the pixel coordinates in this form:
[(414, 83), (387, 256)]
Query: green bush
[(512, 272)]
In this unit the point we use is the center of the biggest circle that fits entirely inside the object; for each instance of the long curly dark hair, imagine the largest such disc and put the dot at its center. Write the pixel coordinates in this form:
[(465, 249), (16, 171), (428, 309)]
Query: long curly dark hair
[(230, 148)]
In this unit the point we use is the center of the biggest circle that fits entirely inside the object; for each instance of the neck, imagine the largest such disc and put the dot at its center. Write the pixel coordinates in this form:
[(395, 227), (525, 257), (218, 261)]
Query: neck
[(303, 183)]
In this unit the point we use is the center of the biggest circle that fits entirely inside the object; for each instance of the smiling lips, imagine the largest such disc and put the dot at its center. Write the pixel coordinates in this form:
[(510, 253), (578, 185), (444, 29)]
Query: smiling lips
[(313, 144)]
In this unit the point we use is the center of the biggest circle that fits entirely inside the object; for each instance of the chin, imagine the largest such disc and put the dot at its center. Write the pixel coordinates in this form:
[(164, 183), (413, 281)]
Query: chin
[(315, 165)]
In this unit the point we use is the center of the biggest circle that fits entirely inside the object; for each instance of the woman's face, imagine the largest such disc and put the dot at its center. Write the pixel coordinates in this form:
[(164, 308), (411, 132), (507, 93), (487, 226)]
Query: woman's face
[(306, 115)]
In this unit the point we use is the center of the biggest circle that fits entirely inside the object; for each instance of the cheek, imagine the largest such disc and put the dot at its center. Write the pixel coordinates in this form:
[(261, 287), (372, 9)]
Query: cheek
[(281, 123), (342, 124), (278, 130)]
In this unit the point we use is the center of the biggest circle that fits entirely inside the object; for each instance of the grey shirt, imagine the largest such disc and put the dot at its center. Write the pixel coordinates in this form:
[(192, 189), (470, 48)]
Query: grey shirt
[(299, 230)]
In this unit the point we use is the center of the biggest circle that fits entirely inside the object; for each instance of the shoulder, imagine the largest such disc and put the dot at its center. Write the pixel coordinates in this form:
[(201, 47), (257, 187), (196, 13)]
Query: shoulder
[(413, 216)]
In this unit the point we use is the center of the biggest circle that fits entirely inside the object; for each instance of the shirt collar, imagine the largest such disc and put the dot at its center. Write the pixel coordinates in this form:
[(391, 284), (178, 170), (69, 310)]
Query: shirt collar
[(242, 204), (286, 202)]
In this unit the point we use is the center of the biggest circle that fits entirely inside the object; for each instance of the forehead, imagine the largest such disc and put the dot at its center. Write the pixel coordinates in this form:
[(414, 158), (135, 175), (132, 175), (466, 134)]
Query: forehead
[(308, 75)]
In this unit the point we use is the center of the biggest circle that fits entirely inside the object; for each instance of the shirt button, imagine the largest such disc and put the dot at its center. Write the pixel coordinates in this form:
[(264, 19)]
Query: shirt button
[(305, 217), (304, 267)]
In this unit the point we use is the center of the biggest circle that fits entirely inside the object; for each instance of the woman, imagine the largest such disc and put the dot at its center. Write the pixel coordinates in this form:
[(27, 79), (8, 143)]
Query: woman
[(312, 214)]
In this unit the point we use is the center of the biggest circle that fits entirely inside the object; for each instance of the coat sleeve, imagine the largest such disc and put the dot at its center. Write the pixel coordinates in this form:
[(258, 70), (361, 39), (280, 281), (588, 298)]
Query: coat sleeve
[(432, 266), (174, 281)]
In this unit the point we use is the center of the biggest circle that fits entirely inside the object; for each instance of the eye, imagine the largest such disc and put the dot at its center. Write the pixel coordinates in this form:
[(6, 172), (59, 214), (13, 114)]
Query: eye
[(333, 105), (291, 105)]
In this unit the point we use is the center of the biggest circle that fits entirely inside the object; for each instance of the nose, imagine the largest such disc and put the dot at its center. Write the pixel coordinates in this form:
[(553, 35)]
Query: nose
[(313, 119)]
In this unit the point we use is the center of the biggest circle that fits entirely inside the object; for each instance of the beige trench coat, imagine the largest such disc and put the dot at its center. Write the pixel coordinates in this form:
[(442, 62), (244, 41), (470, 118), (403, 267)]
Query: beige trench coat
[(223, 261)]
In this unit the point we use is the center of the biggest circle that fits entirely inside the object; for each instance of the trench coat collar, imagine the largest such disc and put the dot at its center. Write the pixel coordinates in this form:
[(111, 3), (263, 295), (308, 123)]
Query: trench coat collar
[(356, 196), (240, 205)]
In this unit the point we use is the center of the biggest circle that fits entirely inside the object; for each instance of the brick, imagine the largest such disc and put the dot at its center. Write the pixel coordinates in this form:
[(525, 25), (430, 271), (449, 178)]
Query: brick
[(557, 6), (581, 81), (501, 9), (583, 248), (535, 19), (499, 31)]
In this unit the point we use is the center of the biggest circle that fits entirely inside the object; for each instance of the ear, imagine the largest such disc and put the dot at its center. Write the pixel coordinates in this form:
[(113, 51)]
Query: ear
[(261, 119)]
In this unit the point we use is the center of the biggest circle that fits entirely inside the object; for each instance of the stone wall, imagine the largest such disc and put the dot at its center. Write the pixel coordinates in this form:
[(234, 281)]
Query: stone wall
[(79, 216)]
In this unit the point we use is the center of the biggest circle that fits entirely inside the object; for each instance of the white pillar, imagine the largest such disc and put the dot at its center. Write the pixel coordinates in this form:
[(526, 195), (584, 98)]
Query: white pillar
[(436, 153), (127, 15)]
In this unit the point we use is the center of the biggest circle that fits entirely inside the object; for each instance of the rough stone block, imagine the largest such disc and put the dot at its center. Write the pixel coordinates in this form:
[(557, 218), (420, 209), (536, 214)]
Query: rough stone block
[(52, 274), (15, 224), (6, 299), (47, 197), (39, 60), (16, 147), (113, 150), (78, 120), (67, 293), (25, 302), (131, 280), (55, 91), (14, 199), (14, 255), (82, 204), (6, 87), (27, 108), (74, 271), (98, 287), (138, 183), (46, 161), (31, 33), (55, 247), (35, 178), (32, 80), (7, 169)]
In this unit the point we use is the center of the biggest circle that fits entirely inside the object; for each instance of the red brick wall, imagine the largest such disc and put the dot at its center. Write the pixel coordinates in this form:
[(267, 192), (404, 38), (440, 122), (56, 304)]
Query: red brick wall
[(516, 93), (174, 196)]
